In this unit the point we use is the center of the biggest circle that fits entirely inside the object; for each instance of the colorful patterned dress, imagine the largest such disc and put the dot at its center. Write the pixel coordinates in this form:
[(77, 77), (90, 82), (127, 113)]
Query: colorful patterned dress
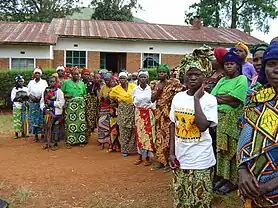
[(162, 125), (75, 121), (114, 130), (258, 144)]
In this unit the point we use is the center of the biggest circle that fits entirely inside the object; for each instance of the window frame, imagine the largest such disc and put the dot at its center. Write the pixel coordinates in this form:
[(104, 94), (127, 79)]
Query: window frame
[(142, 58), (20, 58), (73, 57)]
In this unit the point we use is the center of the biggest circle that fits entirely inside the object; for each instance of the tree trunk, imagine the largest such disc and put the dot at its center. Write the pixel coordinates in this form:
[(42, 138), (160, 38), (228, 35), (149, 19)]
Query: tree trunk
[(234, 14)]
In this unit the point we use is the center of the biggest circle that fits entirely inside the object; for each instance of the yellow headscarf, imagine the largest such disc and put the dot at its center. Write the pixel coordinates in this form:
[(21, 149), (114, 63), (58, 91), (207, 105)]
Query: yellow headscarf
[(243, 46)]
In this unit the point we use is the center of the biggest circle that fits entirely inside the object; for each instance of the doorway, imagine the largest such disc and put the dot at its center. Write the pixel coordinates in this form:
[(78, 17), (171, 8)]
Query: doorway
[(113, 61)]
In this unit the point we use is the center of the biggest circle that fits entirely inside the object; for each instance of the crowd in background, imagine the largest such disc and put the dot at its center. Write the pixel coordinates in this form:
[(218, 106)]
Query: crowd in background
[(213, 120)]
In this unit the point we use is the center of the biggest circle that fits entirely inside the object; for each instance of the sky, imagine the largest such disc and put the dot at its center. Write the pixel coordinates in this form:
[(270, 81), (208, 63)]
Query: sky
[(172, 12)]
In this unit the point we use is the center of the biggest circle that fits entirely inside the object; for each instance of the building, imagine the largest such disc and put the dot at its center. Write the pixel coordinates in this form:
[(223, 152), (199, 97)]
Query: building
[(106, 44)]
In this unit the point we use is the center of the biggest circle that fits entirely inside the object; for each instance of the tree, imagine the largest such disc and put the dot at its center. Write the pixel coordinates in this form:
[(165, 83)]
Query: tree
[(36, 10), (244, 14), (117, 10)]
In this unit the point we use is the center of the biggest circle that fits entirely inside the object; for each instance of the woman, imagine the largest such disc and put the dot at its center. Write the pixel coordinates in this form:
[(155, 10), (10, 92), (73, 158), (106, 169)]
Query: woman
[(258, 52), (163, 94), (61, 76), (114, 127), (122, 94), (191, 153), (248, 69), (75, 90), (144, 119), (258, 146), (36, 88), (230, 93), (217, 67), (104, 113), (91, 100), (52, 104), (19, 98)]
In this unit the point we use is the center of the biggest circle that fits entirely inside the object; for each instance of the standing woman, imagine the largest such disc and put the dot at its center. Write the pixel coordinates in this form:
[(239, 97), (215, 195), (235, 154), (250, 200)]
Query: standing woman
[(104, 113), (91, 100), (114, 127), (19, 98), (75, 90), (163, 94), (61, 76), (36, 88), (230, 93), (122, 94), (144, 119)]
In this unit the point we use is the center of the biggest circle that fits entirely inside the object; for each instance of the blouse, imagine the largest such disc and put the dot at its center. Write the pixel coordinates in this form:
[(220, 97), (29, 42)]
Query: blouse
[(142, 97), (74, 89), (37, 88), (121, 95), (15, 92)]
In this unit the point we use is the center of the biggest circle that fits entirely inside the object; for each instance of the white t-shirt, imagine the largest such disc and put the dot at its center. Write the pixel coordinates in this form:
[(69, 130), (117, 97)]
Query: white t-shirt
[(37, 88), (193, 148)]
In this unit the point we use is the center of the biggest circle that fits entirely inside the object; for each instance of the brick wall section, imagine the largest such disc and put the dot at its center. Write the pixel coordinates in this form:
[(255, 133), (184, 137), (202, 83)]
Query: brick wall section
[(58, 58), (93, 60), (4, 63), (44, 63), (133, 62), (171, 60)]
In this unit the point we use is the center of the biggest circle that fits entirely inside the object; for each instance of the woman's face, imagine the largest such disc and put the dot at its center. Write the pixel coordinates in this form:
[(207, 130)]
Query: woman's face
[(61, 73), (143, 79), (113, 83), (123, 80), (97, 78), (271, 71), (241, 53), (230, 68), (194, 78), (37, 75), (52, 82), (162, 75), (107, 81), (75, 75), (86, 76), (20, 83), (257, 60)]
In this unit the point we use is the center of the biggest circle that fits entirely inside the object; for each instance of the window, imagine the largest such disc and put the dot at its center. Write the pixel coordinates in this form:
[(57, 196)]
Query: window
[(76, 58), (22, 63), (150, 60)]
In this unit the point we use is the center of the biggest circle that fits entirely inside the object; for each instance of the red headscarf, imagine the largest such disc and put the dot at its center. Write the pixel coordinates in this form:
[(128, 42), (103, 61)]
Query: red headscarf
[(219, 53), (85, 70)]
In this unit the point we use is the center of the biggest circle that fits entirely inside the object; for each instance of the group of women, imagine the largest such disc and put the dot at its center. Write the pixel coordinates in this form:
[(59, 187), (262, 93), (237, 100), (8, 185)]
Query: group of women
[(215, 124)]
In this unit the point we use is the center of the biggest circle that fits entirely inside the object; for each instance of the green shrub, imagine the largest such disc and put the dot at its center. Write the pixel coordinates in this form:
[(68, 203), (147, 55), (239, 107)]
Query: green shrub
[(7, 78), (152, 74)]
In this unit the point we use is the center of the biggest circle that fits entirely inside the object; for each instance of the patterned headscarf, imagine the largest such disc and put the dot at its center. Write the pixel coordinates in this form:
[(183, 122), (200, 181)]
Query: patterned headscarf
[(270, 53), (18, 77), (85, 70), (200, 58), (163, 67), (123, 74)]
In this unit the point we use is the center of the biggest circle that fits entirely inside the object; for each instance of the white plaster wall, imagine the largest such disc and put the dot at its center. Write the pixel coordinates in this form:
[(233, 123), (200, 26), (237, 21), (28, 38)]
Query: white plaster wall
[(14, 51), (124, 46)]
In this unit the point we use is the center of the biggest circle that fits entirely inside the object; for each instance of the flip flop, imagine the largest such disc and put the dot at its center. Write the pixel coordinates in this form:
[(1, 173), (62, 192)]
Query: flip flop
[(124, 154), (157, 167), (138, 162), (147, 163)]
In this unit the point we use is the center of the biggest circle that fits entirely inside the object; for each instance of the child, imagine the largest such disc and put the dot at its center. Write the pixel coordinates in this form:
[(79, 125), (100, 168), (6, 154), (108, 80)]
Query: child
[(19, 97), (52, 103)]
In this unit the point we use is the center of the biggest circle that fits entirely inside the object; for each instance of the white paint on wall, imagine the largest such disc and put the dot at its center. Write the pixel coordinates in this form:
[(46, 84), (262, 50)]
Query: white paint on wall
[(125, 46), (14, 51)]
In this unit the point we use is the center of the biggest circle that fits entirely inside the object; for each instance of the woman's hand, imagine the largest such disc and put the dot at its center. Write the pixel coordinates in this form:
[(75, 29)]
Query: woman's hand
[(200, 92), (173, 162), (248, 184)]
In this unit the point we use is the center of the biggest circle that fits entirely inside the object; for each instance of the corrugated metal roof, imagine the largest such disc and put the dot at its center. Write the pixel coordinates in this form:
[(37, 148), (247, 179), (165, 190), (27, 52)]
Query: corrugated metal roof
[(47, 33), (27, 32), (148, 31)]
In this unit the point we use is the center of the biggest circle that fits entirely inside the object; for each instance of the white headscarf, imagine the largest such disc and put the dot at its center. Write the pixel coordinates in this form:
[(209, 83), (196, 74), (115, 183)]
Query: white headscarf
[(143, 72), (60, 68), (38, 70), (123, 74)]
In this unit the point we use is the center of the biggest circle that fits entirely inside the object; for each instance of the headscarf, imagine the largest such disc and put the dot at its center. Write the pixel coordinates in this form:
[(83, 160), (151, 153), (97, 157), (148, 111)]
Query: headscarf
[(232, 57), (18, 77), (243, 46), (103, 71), (163, 67), (200, 58), (60, 68), (37, 70), (85, 70), (123, 74), (135, 73), (74, 69), (259, 47), (219, 53), (270, 53), (107, 75), (144, 72)]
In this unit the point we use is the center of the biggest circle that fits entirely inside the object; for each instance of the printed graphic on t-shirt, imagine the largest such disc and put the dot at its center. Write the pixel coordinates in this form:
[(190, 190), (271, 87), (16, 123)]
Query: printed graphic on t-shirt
[(186, 129)]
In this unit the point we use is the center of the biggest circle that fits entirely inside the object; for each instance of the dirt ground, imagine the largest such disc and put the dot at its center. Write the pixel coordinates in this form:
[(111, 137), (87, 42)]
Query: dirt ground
[(81, 177)]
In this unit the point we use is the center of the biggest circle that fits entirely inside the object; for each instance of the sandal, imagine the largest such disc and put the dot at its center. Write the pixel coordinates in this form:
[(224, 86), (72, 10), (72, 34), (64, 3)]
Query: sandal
[(124, 154), (110, 150), (68, 146), (55, 148), (167, 169), (157, 167), (147, 163), (45, 146), (138, 162)]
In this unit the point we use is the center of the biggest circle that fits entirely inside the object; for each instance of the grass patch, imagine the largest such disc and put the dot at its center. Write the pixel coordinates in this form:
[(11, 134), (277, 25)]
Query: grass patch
[(6, 123)]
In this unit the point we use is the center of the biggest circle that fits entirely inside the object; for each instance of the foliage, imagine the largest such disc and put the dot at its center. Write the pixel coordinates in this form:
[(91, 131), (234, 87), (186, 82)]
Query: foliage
[(36, 10), (7, 77), (117, 10), (152, 73), (247, 15)]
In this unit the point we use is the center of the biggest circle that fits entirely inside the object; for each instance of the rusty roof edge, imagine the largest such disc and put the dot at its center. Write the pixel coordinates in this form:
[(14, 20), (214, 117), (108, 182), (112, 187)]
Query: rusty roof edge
[(154, 40), (26, 43)]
